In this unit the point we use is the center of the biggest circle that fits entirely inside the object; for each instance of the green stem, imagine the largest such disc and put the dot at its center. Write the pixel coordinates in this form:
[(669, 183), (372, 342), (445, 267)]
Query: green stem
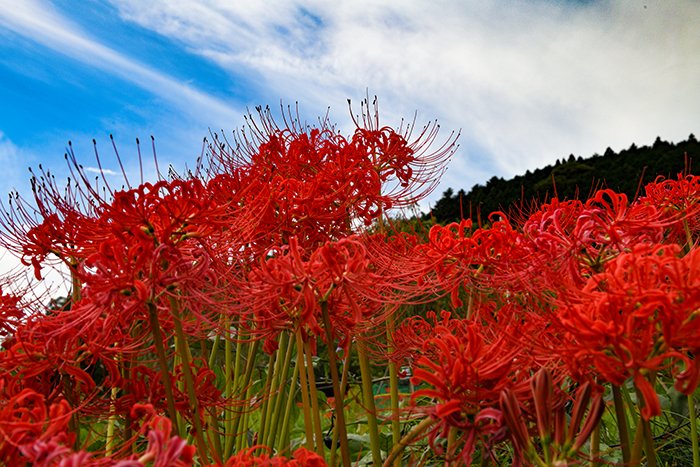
[(393, 385), (275, 416), (343, 390), (183, 351), (272, 366), (407, 439), (688, 237), (284, 436), (316, 413), (109, 442), (163, 363), (595, 446), (693, 430), (214, 437), (232, 381), (339, 396), (368, 400), (111, 422), (451, 440), (214, 350), (645, 427), (240, 423), (636, 451), (649, 447), (305, 403), (622, 428), (180, 386)]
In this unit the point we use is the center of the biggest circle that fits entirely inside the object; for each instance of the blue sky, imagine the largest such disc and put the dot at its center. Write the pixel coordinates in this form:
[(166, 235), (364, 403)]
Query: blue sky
[(527, 82)]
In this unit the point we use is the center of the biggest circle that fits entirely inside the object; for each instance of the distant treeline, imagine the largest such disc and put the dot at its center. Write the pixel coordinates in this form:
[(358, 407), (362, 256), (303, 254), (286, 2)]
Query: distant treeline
[(573, 177)]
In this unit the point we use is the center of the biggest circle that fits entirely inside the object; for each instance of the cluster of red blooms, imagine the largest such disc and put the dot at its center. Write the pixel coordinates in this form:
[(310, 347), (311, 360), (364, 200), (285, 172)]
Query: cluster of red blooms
[(597, 292), (251, 241), (268, 233)]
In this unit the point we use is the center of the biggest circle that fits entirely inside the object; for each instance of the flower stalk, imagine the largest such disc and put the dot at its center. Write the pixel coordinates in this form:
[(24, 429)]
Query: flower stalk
[(368, 401), (338, 393)]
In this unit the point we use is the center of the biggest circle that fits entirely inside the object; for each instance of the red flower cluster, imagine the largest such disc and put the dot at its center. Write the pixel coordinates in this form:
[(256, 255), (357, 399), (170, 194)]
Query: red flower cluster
[(250, 243), (637, 317), (300, 458), (283, 233)]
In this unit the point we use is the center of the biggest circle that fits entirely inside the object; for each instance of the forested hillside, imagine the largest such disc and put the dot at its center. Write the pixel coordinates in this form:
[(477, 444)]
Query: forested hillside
[(570, 178)]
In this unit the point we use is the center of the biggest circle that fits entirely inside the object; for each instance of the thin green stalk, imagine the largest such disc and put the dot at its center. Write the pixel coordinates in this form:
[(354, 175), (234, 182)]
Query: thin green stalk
[(279, 396), (111, 422), (267, 393), (451, 441), (368, 400), (595, 446), (183, 352), (407, 439), (109, 442), (623, 431), (232, 381), (214, 349), (645, 428), (243, 423), (125, 373), (163, 364), (343, 389), (636, 451), (393, 384), (688, 237), (180, 386), (316, 413), (214, 435), (283, 439), (338, 395), (305, 403), (649, 447), (693, 430), (240, 425)]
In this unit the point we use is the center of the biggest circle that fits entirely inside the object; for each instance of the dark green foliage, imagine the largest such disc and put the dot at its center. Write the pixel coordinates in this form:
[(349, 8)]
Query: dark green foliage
[(572, 177)]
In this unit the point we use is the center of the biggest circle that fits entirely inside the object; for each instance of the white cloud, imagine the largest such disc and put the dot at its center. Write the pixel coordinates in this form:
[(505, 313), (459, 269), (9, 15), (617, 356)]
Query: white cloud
[(528, 82), (13, 160), (97, 170), (39, 22), (19, 279)]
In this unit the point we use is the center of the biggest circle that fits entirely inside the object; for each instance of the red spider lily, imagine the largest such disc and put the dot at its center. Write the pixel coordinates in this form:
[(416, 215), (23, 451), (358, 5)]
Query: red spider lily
[(551, 231), (400, 154), (26, 419), (164, 242), (679, 200), (10, 314), (638, 317), (46, 364), (465, 369), (573, 240), (162, 450), (318, 181), (411, 335), (285, 292), (486, 257), (608, 224), (51, 226), (561, 435), (300, 458)]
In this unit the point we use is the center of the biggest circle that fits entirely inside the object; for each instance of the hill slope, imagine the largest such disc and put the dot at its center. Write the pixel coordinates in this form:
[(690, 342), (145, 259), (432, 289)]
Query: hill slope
[(570, 178)]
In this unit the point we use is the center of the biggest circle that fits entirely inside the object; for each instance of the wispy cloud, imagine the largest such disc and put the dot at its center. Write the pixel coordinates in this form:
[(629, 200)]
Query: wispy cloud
[(97, 170), (528, 82), (39, 22), (11, 156)]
